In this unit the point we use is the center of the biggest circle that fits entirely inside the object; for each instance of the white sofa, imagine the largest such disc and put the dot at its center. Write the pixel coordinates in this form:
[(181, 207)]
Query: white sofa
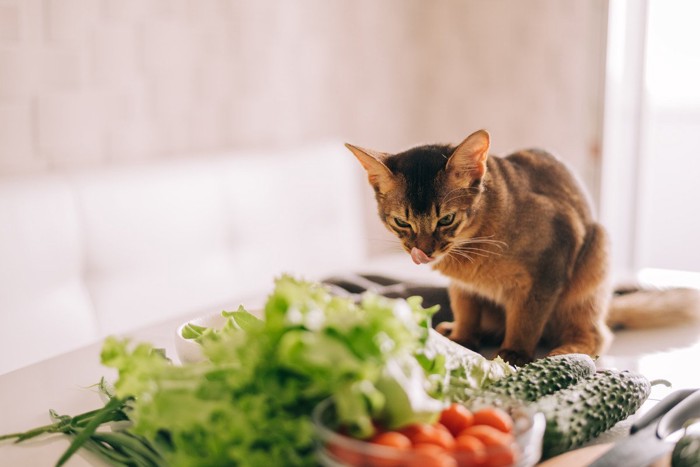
[(88, 253)]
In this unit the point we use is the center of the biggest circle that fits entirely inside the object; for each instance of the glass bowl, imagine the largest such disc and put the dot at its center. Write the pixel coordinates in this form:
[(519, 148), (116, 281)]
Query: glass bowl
[(334, 449)]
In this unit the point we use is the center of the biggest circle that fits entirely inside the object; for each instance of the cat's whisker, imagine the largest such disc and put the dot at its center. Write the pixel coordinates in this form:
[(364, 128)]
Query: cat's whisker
[(483, 248), (474, 248), (455, 255), (479, 247), (459, 254), (476, 252), (487, 240)]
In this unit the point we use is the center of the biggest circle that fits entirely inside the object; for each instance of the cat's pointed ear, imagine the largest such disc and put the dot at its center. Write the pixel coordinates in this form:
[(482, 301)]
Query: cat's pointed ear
[(380, 177), (468, 162)]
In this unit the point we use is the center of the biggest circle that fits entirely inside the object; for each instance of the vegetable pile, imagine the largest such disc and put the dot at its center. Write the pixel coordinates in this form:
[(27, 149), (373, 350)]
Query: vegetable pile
[(249, 402), (392, 380)]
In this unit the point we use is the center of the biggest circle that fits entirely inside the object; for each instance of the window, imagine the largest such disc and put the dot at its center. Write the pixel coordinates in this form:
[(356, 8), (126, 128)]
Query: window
[(651, 166)]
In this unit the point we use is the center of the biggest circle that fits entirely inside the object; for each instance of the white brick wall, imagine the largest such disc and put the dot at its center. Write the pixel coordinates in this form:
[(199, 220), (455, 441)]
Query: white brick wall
[(86, 82), (71, 128), (20, 72), (16, 143), (9, 22)]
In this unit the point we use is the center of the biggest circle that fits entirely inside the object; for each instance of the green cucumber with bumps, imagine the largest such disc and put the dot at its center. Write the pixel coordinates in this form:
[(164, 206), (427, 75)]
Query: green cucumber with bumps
[(533, 381), (581, 412), (543, 377)]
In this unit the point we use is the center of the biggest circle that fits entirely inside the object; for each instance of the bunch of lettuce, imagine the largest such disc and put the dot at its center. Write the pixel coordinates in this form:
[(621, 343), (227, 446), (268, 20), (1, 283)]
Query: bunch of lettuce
[(250, 402)]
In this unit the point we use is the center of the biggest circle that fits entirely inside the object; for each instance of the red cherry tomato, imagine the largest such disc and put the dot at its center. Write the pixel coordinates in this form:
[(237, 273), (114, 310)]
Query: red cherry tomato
[(495, 417), (430, 455), (469, 450), (456, 418), (423, 433), (392, 439)]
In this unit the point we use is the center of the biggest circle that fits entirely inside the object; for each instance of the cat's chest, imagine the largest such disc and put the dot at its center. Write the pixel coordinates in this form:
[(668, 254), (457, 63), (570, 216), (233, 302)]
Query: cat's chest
[(500, 281)]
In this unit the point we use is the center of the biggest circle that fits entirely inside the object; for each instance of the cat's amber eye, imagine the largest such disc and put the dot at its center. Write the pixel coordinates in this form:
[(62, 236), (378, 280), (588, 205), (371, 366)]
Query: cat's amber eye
[(401, 223), (446, 220)]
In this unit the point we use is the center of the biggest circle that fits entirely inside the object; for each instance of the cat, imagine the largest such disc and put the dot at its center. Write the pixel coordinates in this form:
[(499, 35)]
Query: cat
[(527, 261)]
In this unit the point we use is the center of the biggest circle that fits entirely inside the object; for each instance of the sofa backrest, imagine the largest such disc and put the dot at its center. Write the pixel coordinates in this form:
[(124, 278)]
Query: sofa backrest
[(88, 253)]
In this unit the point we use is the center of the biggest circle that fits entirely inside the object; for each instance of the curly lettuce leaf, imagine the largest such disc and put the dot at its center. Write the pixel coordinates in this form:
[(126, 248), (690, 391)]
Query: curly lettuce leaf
[(465, 369)]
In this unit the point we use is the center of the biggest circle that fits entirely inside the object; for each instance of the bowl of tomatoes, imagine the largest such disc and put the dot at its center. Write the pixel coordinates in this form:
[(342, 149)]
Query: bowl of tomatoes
[(461, 437)]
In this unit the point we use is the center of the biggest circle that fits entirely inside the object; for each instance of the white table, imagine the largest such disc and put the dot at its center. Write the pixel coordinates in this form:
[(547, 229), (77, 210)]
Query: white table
[(63, 383)]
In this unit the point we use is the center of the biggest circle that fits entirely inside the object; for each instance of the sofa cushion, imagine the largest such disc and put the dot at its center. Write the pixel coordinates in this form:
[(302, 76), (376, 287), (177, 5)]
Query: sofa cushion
[(45, 307)]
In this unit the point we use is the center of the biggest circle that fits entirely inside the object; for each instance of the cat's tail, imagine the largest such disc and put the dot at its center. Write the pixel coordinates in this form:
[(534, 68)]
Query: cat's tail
[(640, 308)]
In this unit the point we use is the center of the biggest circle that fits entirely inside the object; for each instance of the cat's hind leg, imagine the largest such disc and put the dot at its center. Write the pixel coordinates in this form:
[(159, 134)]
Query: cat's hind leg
[(578, 322), (586, 332)]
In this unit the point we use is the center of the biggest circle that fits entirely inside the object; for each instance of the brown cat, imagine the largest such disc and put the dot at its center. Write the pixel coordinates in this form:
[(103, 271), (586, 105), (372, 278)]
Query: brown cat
[(526, 259)]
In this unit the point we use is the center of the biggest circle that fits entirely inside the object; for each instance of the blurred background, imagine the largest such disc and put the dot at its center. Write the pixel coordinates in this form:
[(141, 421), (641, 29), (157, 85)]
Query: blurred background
[(611, 87), (108, 82)]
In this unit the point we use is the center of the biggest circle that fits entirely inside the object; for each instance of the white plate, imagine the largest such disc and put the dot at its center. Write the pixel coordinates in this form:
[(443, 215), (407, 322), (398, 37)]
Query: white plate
[(188, 351)]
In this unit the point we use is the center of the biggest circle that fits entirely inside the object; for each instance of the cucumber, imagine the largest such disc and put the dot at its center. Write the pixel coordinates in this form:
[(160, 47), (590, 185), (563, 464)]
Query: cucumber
[(532, 382), (544, 376), (581, 412), (686, 452)]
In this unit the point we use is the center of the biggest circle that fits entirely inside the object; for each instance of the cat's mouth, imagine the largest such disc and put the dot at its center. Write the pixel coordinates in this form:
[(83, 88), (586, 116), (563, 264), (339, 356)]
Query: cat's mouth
[(419, 257)]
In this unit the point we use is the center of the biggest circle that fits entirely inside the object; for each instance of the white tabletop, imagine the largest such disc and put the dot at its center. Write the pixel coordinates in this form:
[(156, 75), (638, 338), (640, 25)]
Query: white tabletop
[(63, 383)]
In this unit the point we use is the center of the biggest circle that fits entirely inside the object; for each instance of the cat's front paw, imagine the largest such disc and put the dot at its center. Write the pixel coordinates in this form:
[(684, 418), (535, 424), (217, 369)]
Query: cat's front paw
[(515, 357), (447, 329)]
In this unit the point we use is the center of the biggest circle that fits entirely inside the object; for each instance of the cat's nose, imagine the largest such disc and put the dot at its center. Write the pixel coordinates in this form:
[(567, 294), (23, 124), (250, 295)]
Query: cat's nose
[(426, 245)]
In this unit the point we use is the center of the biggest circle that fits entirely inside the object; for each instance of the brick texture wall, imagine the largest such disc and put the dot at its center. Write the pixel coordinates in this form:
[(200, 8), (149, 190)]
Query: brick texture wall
[(93, 82)]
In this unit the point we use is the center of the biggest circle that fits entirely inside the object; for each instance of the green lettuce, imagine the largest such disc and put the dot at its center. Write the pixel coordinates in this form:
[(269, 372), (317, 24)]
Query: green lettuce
[(249, 402)]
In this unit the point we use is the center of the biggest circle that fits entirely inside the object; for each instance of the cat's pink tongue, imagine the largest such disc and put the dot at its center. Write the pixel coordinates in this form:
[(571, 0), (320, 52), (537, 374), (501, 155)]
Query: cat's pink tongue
[(419, 257)]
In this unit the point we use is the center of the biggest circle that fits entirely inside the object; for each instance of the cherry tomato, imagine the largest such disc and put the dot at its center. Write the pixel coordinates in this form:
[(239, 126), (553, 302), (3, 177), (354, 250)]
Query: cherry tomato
[(489, 435), (392, 439), (500, 456), (400, 445), (456, 418), (495, 417), (469, 450), (430, 455), (423, 433)]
